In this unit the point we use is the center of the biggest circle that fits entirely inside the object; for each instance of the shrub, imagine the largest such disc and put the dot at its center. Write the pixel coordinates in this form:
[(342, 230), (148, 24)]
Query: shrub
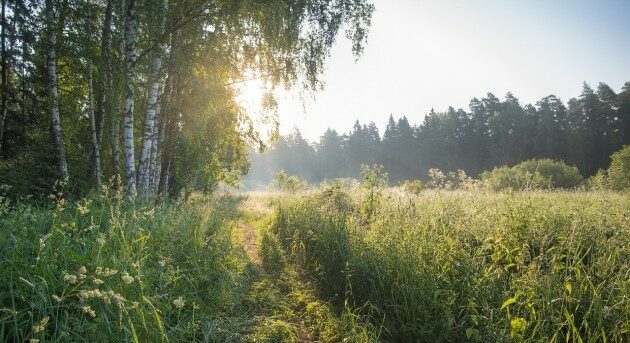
[(451, 180), (289, 183), (533, 174), (617, 177), (619, 171), (412, 186)]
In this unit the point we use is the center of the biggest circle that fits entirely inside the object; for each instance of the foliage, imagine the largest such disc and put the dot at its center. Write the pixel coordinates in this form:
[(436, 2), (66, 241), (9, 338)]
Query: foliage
[(492, 133), (374, 180), (286, 183), (194, 64), (617, 177), (450, 180), (533, 174), (413, 186), (471, 266), (104, 269)]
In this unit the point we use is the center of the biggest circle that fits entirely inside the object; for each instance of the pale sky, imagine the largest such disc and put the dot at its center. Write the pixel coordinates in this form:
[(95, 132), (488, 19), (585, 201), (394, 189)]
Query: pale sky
[(434, 54)]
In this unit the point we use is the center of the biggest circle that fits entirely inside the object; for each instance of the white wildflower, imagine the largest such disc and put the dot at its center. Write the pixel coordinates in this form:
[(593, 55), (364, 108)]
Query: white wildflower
[(179, 302), (69, 278), (89, 311), (126, 278), (41, 326)]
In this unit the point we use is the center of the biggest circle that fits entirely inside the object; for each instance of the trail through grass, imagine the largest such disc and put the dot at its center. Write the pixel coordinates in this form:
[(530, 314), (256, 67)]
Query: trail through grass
[(280, 305)]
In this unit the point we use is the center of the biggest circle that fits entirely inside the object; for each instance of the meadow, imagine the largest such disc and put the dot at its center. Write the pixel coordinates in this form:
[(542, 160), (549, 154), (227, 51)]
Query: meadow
[(334, 264)]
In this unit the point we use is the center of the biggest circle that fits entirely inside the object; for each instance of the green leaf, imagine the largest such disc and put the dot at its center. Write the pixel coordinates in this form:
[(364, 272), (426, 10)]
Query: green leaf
[(508, 303)]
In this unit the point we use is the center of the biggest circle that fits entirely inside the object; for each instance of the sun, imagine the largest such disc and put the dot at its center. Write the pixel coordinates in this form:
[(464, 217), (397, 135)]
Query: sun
[(250, 95)]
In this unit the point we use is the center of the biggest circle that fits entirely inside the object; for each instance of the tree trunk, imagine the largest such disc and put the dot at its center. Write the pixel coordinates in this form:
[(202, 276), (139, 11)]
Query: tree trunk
[(53, 91), (153, 160), (149, 128), (149, 134), (96, 145), (105, 82), (130, 59), (5, 74)]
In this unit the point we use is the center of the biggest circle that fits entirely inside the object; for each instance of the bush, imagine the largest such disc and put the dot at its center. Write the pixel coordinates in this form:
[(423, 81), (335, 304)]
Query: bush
[(451, 180), (412, 186), (533, 174), (288, 183), (617, 177)]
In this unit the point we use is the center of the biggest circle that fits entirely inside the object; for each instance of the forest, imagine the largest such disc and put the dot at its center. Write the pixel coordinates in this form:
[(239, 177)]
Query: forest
[(583, 132), (143, 92), (141, 201)]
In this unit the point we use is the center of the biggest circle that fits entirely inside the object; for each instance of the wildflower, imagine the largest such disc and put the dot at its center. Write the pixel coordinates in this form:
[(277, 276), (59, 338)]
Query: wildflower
[(41, 326), (126, 278), (56, 298), (179, 302), (83, 270), (33, 340), (109, 272), (162, 263), (69, 278), (136, 264), (98, 281), (116, 298), (95, 293), (101, 240), (135, 304), (89, 311), (99, 270)]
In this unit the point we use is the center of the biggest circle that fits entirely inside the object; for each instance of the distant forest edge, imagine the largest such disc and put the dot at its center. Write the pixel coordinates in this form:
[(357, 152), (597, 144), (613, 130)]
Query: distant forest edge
[(584, 132)]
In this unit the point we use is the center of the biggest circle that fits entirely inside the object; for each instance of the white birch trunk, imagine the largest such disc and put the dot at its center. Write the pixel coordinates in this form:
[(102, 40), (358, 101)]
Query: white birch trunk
[(130, 59), (147, 151), (149, 128), (96, 151), (53, 90), (153, 168)]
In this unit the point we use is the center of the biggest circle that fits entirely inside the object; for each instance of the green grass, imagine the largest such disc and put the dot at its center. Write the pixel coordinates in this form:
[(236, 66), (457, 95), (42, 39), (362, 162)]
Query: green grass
[(469, 266), (104, 269), (373, 265), (107, 269)]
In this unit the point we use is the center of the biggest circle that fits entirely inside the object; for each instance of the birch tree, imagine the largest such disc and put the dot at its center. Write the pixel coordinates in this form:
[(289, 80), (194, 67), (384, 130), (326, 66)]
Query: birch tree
[(53, 89), (130, 60), (148, 151), (96, 149), (105, 85)]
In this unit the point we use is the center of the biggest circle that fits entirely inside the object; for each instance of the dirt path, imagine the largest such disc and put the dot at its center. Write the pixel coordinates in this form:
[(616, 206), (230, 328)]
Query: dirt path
[(250, 237)]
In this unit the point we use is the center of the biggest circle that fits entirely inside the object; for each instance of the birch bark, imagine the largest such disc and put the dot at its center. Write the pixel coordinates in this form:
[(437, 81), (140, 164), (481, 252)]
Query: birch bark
[(105, 82), (130, 59), (149, 139), (53, 90)]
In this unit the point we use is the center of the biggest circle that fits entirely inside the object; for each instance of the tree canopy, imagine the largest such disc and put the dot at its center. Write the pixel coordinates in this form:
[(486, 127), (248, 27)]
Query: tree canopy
[(583, 132), (144, 91)]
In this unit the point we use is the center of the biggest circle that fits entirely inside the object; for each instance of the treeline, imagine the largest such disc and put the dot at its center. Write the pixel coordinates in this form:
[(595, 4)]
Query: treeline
[(584, 132), (142, 91)]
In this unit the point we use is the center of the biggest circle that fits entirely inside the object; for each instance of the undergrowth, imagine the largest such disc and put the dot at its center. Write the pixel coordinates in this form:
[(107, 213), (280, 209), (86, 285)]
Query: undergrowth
[(106, 269), (469, 266)]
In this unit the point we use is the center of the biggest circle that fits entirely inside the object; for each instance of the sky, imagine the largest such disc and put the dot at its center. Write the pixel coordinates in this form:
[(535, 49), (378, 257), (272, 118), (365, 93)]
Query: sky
[(425, 54)]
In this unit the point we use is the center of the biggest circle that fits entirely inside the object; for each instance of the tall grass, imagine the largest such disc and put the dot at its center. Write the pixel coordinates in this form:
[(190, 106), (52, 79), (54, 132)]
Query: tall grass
[(470, 266), (105, 269)]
